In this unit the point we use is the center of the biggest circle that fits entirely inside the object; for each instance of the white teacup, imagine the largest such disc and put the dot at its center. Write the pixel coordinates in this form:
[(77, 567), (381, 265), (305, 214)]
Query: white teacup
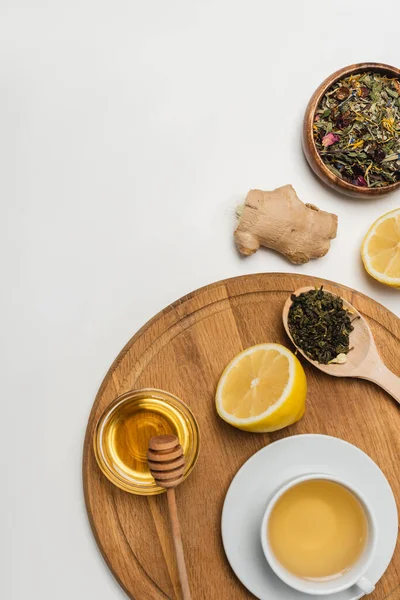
[(354, 576)]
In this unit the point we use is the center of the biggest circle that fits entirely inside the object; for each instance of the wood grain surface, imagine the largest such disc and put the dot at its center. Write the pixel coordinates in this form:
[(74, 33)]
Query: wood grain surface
[(184, 350)]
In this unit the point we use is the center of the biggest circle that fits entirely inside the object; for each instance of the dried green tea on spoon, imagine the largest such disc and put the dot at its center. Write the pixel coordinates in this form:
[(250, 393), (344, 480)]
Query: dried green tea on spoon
[(320, 326), (357, 129)]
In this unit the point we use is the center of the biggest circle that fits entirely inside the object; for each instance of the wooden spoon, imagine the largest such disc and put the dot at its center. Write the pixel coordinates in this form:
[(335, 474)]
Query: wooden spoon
[(167, 464), (363, 361)]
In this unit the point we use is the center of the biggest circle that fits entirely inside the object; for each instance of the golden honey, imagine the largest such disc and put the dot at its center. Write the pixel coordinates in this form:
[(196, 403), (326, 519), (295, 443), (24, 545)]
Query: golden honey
[(125, 428)]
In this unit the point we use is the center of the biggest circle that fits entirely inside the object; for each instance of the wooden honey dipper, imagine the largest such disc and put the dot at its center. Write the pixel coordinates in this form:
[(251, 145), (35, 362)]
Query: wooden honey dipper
[(167, 465)]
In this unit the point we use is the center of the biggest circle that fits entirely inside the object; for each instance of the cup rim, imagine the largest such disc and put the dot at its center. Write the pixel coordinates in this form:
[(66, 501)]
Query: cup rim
[(291, 579)]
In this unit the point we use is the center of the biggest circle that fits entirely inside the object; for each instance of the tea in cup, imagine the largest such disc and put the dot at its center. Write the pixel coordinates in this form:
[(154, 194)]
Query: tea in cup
[(319, 535)]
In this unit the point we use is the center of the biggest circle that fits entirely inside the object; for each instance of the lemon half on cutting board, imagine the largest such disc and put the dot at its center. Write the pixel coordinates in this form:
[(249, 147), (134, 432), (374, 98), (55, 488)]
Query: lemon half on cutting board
[(380, 250), (262, 389)]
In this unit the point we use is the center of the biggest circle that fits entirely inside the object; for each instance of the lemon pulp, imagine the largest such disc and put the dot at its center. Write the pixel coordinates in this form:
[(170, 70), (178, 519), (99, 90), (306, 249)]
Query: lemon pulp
[(381, 249), (262, 389)]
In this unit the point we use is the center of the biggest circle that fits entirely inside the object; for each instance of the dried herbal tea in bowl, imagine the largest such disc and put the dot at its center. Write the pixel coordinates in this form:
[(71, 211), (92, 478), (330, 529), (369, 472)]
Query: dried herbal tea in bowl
[(357, 129), (320, 326)]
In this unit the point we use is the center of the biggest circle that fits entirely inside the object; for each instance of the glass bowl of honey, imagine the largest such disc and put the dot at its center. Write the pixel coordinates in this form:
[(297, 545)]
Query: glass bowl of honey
[(123, 432)]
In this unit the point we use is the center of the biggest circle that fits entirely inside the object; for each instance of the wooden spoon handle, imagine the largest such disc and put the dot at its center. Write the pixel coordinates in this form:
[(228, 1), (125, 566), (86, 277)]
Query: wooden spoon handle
[(386, 379), (176, 536)]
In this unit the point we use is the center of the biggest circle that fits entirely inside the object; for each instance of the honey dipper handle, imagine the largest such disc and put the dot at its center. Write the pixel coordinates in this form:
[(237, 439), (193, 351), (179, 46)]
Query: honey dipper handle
[(386, 379), (176, 536)]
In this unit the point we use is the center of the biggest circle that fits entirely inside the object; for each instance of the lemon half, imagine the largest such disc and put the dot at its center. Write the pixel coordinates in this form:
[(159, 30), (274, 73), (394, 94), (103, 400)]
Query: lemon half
[(380, 250), (262, 389)]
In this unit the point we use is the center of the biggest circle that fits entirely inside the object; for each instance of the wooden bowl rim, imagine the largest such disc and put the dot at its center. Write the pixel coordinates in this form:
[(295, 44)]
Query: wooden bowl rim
[(309, 121)]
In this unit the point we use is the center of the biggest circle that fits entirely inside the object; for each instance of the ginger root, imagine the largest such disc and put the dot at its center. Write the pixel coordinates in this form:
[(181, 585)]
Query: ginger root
[(279, 220)]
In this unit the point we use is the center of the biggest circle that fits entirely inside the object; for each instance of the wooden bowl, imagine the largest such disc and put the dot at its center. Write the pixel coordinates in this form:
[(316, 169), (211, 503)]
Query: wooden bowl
[(310, 149)]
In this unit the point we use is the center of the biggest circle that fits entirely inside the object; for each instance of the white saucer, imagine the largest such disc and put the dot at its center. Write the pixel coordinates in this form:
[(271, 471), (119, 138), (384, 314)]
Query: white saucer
[(268, 469)]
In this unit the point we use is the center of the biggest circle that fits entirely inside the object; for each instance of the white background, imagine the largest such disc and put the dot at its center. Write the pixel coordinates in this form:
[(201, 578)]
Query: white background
[(129, 131)]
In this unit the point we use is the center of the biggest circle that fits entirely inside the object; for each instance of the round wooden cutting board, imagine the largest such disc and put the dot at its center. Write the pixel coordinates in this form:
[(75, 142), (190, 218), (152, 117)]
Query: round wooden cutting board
[(184, 350)]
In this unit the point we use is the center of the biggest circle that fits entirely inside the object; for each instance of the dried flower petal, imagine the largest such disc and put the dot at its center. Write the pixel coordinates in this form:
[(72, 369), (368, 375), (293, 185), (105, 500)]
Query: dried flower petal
[(342, 93), (339, 360), (329, 139), (361, 181)]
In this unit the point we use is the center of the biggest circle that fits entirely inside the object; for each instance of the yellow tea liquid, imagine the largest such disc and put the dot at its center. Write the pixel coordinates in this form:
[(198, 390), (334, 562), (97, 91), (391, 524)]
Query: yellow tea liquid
[(317, 529)]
